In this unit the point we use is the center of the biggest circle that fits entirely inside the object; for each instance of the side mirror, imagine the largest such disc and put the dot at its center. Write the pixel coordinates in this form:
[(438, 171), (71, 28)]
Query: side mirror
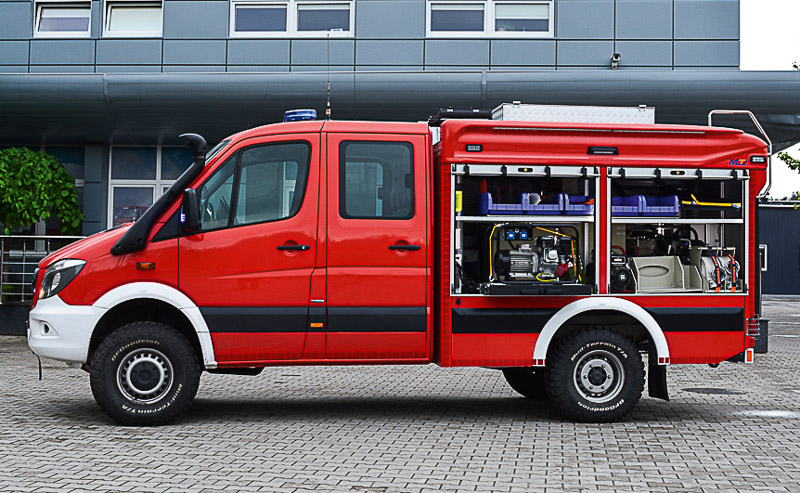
[(190, 211)]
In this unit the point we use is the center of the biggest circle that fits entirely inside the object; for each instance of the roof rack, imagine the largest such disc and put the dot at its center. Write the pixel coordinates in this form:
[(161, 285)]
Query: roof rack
[(459, 113)]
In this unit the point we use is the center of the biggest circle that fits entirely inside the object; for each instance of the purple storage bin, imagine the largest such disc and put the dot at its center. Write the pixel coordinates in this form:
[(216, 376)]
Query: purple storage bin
[(573, 205), (661, 206), (543, 209), (486, 206), (627, 206)]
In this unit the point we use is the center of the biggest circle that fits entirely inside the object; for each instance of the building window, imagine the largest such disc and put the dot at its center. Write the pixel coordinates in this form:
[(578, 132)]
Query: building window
[(62, 19), (139, 175), (260, 19), (132, 19), (490, 18)]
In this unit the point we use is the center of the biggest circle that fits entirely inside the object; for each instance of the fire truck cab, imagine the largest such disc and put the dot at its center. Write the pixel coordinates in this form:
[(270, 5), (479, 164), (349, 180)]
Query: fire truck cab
[(565, 254)]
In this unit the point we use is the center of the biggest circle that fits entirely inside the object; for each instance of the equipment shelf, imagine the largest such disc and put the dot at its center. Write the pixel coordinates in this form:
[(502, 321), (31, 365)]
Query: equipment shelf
[(672, 220), (518, 218)]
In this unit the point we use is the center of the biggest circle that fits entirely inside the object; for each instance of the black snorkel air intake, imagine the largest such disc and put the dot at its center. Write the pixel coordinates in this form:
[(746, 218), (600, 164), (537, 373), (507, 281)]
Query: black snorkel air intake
[(135, 239)]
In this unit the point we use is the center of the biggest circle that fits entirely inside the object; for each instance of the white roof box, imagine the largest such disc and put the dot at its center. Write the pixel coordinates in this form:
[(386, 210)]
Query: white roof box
[(517, 111)]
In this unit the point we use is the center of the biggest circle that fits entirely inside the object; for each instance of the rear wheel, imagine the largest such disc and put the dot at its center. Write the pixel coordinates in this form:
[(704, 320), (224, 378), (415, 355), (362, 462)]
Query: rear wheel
[(144, 374), (528, 382), (594, 375)]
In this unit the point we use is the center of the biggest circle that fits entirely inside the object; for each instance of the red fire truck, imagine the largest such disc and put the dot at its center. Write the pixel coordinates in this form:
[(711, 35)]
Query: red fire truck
[(564, 254)]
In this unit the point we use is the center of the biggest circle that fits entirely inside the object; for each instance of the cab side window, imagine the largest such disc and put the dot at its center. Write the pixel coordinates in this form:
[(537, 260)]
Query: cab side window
[(215, 196), (272, 182), (376, 180)]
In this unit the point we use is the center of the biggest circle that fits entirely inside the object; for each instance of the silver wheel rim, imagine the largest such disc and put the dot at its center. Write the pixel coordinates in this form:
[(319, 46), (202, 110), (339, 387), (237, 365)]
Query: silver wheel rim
[(145, 376), (599, 376)]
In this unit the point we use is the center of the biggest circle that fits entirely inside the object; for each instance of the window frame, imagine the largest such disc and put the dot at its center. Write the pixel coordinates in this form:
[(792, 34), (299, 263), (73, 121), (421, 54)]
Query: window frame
[(158, 185), (237, 175), (292, 17), (343, 180), (489, 9), (37, 19), (108, 6)]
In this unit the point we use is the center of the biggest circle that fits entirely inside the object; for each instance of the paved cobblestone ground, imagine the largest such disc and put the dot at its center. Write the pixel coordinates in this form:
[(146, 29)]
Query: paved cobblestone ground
[(407, 429)]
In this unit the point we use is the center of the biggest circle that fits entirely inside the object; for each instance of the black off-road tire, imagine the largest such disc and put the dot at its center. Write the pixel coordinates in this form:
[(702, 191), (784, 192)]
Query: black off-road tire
[(594, 376), (145, 374), (528, 382)]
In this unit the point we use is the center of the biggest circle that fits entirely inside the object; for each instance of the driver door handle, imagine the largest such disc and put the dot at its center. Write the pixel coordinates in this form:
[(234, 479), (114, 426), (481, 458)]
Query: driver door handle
[(404, 247), (301, 248)]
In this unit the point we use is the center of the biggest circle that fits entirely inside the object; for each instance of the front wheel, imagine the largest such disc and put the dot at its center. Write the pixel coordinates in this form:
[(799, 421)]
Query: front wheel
[(594, 375), (144, 374)]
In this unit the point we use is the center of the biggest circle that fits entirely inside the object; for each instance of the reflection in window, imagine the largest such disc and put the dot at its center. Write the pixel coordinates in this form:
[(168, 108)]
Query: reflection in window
[(272, 183), (174, 161), (215, 196), (521, 18), (72, 157), (260, 18), (133, 19), (63, 19), (376, 180), (129, 203), (457, 17), (323, 17), (133, 163)]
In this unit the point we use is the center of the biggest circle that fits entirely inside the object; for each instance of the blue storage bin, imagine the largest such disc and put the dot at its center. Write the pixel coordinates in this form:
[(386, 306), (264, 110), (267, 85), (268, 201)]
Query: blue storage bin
[(486, 206), (540, 209), (661, 206), (573, 205), (627, 206)]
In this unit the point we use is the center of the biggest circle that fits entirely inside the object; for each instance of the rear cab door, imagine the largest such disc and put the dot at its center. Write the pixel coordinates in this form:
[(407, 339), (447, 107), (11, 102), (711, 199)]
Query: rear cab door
[(378, 240)]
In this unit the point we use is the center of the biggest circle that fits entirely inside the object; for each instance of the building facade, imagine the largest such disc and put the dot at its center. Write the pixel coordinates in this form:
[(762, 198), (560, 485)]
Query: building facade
[(107, 85)]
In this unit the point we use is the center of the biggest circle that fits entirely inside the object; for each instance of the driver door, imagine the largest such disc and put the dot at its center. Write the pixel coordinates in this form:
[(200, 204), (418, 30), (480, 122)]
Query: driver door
[(249, 266)]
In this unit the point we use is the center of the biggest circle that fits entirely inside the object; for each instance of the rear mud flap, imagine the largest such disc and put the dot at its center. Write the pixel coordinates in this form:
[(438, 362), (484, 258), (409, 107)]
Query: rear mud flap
[(657, 381)]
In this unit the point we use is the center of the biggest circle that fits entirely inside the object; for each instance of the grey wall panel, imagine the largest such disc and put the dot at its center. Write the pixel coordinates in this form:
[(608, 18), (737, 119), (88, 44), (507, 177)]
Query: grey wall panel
[(16, 20), (523, 52), (258, 68), (644, 19), (131, 69), (316, 52), (645, 53), (594, 53), (390, 52), (193, 19), (13, 69), (62, 69), (707, 53), (585, 19), (507, 68), (194, 68), (195, 52), (390, 19), (258, 52), (62, 52), (706, 19), (129, 51), (13, 52), (456, 52)]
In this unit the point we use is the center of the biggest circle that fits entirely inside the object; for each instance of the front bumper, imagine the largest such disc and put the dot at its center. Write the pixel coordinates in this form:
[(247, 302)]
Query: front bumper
[(60, 331)]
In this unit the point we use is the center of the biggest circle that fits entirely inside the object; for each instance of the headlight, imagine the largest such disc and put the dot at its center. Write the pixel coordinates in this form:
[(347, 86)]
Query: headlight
[(59, 275)]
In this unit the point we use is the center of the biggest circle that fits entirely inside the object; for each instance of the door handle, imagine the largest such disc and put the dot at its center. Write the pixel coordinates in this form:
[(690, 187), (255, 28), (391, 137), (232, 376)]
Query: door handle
[(404, 247), (302, 248)]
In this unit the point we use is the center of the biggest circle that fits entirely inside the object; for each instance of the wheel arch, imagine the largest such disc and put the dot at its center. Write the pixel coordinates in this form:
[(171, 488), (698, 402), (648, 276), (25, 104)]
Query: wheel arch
[(578, 311), (153, 302)]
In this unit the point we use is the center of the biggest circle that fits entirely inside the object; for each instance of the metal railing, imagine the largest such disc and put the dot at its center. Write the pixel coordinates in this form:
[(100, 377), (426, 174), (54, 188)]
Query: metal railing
[(19, 257)]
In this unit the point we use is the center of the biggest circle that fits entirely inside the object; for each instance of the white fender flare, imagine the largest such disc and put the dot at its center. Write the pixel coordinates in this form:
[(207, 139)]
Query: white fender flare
[(587, 304), (171, 296)]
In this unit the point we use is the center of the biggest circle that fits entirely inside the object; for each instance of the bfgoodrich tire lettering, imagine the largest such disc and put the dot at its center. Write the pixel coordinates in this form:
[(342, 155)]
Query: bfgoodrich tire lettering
[(144, 374), (594, 375)]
